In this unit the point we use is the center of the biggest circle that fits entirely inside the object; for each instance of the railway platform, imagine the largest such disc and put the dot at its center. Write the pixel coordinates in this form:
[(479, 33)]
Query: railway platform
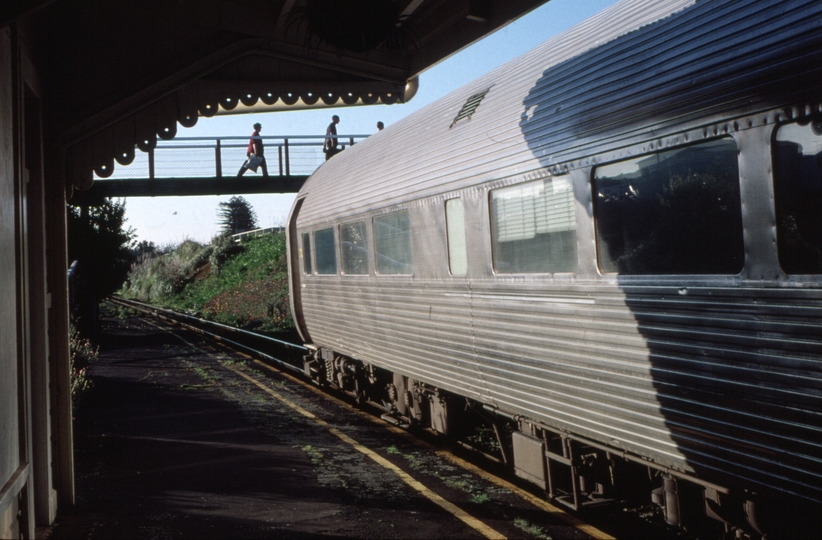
[(176, 440), (160, 453)]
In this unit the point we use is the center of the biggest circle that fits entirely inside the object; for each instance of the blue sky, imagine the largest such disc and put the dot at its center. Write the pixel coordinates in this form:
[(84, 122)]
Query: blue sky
[(170, 220)]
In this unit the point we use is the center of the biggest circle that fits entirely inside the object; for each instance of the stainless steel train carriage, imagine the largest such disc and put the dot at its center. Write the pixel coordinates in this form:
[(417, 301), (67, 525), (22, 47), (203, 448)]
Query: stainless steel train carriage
[(615, 243)]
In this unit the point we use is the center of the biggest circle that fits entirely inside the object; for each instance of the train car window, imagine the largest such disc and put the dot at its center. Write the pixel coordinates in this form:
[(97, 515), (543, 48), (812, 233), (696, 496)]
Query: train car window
[(673, 212), (325, 252), (354, 248), (305, 252), (455, 225), (533, 227), (797, 158), (392, 240)]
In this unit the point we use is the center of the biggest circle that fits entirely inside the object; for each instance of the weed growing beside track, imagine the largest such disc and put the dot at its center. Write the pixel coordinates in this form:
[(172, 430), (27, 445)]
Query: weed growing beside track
[(83, 354)]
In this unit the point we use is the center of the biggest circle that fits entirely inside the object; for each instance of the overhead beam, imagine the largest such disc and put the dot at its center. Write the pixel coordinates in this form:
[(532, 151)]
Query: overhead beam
[(11, 10), (177, 187), (87, 122)]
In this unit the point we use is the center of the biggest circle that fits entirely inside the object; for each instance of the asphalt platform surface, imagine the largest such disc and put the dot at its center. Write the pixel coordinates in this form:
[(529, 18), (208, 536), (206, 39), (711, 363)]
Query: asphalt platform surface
[(162, 451), (172, 443)]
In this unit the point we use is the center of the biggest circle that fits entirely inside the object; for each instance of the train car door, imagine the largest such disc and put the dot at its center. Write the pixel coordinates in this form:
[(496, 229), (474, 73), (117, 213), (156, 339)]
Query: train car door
[(293, 247)]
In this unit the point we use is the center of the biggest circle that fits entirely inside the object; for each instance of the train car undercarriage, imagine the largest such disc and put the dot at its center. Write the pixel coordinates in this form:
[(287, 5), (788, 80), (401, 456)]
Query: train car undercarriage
[(576, 473)]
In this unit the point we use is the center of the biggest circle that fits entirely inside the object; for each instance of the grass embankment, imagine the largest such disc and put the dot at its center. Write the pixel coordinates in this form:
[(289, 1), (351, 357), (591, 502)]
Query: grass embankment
[(242, 285)]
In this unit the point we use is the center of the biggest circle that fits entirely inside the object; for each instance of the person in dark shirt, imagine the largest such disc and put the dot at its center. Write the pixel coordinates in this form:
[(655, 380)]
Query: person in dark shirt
[(330, 145), (380, 126), (255, 148)]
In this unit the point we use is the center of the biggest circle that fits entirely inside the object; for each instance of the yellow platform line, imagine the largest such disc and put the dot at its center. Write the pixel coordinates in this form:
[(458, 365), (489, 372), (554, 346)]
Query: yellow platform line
[(454, 510), (457, 512), (540, 503)]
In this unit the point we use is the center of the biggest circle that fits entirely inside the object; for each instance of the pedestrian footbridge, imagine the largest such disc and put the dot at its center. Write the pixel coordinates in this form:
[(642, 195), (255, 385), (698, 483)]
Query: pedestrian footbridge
[(188, 166)]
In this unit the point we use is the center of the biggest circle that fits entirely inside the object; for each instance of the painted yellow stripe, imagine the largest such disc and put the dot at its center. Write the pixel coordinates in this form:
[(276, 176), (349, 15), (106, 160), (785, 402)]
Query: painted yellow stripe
[(466, 518), (456, 511), (540, 503), (533, 499)]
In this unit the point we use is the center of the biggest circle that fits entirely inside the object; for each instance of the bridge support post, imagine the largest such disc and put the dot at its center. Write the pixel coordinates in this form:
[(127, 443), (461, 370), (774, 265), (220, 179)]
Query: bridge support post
[(287, 164), (218, 160)]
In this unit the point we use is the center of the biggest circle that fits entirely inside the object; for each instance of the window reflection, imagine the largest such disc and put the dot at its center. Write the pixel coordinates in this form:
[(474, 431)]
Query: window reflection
[(798, 197), (392, 239), (354, 248), (673, 212), (533, 227), (325, 252)]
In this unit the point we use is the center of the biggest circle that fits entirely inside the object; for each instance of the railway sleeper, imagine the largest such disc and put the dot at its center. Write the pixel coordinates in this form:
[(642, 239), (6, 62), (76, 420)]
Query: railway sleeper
[(576, 473)]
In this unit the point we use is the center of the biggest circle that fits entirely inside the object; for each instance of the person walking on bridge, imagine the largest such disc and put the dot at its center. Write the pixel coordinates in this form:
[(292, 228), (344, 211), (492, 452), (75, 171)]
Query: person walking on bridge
[(255, 153), (330, 145)]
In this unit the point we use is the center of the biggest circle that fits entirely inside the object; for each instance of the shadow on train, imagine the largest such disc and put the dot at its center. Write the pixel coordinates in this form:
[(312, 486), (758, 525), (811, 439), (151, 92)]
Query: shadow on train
[(713, 375)]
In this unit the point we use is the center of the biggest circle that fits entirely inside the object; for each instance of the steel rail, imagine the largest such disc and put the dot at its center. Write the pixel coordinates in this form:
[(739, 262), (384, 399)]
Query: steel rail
[(192, 323)]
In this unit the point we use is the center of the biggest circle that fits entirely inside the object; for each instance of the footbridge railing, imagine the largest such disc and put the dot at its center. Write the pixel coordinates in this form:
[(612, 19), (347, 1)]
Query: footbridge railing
[(209, 166), (221, 157)]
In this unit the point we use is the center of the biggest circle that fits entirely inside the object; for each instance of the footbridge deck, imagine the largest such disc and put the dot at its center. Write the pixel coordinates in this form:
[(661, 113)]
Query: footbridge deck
[(187, 166)]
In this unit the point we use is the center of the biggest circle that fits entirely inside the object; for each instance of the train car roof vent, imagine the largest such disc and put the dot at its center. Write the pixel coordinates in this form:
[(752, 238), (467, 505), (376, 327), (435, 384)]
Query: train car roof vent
[(470, 106)]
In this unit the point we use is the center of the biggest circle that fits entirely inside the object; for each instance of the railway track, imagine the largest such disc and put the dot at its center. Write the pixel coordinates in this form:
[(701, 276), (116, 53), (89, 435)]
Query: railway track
[(283, 359)]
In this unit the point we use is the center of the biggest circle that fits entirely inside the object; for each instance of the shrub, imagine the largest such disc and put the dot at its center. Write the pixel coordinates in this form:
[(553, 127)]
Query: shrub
[(82, 356), (244, 285), (223, 249), (156, 277)]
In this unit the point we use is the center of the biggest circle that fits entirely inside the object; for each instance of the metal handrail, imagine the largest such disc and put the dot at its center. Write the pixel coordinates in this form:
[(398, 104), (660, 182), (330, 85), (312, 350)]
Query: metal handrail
[(254, 233), (286, 153)]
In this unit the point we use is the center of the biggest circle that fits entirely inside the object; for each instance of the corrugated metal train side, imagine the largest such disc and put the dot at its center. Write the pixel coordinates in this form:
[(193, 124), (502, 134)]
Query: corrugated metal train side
[(712, 377)]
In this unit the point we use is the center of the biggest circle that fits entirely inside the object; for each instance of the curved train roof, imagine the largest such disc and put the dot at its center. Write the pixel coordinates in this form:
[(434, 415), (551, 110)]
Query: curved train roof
[(637, 70)]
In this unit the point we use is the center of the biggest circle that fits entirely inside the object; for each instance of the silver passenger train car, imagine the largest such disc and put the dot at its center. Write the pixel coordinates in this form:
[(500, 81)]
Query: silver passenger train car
[(614, 243)]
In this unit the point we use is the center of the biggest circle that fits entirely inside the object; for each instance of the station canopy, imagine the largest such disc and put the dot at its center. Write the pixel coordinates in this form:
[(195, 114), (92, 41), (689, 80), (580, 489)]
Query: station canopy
[(118, 74)]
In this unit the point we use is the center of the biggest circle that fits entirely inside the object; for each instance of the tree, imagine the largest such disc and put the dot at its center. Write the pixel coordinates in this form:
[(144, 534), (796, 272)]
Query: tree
[(237, 216), (100, 242), (143, 250)]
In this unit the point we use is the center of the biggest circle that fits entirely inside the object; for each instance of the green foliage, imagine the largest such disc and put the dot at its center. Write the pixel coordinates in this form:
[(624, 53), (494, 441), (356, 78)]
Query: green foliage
[(237, 216), (223, 249), (250, 289), (527, 527), (315, 455), (156, 277), (82, 355), (480, 498), (101, 242)]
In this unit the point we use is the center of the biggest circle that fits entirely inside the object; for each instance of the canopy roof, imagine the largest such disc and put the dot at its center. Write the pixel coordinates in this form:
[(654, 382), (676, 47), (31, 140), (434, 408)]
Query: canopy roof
[(115, 74)]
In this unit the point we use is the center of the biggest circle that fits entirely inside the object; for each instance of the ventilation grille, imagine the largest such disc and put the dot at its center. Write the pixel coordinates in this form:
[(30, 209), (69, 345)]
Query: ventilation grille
[(469, 107)]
